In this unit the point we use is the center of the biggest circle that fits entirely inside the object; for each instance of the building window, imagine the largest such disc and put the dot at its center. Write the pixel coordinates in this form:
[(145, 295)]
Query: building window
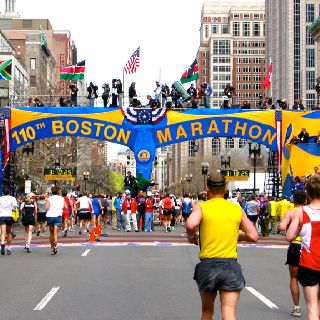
[(310, 61), (256, 29), (192, 148), (236, 16), (214, 19), (33, 82), (205, 54), (216, 146), (246, 86), (214, 29), (297, 49), (32, 63), (256, 16), (309, 38), (229, 144), (204, 71), (246, 16), (310, 79), (224, 29), (309, 12), (242, 143), (246, 29), (205, 62), (206, 31), (221, 47), (236, 29), (310, 100), (224, 19)]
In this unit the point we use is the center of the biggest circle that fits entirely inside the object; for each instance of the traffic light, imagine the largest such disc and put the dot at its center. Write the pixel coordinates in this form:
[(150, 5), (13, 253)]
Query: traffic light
[(128, 160), (155, 161)]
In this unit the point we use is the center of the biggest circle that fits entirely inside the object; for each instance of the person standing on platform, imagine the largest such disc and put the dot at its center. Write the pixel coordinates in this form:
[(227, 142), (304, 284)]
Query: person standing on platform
[(221, 224)]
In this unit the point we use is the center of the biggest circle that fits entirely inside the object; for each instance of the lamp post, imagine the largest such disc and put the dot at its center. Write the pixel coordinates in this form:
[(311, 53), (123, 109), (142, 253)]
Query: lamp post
[(56, 166), (204, 171), (225, 162), (188, 178), (253, 154), (85, 178)]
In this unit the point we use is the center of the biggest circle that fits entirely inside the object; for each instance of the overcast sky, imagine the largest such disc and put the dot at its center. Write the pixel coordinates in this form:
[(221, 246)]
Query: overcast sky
[(107, 32)]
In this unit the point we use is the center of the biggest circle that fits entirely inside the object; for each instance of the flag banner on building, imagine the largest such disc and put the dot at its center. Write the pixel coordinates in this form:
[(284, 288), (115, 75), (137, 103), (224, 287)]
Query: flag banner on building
[(191, 74), (6, 70), (133, 62), (267, 80), (74, 72), (6, 137)]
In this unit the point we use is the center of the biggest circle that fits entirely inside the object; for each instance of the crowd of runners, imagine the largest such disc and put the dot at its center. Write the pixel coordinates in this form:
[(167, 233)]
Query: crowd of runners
[(213, 218)]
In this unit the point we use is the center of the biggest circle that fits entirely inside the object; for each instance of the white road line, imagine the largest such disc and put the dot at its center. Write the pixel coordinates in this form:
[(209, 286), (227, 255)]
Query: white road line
[(86, 253), (261, 297), (46, 299)]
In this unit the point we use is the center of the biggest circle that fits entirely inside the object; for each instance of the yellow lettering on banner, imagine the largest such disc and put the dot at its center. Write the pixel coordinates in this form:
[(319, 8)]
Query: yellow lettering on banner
[(213, 127), (239, 128), (164, 137), (226, 125), (181, 132), (86, 128), (98, 126), (259, 131), (113, 134), (57, 127), (68, 126), (196, 127), (269, 137), (123, 136)]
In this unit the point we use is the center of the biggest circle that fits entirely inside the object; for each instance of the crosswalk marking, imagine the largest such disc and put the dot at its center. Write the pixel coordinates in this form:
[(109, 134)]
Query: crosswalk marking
[(46, 299), (262, 298), (86, 253)]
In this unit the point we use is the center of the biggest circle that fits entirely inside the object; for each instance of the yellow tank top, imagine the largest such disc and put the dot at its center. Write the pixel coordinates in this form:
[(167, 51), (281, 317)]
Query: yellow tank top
[(219, 229), (298, 238)]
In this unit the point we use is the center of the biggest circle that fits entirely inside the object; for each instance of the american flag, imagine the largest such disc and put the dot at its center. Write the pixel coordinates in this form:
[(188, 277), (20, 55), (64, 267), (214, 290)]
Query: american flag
[(6, 137), (144, 116), (279, 138), (133, 62)]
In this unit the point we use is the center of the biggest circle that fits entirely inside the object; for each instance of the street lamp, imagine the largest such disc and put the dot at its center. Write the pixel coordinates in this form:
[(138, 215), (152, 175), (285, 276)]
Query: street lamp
[(225, 162), (253, 154), (85, 178), (204, 171)]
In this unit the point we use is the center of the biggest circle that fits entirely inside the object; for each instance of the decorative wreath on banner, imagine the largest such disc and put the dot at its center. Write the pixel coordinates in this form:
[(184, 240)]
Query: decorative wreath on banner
[(143, 115)]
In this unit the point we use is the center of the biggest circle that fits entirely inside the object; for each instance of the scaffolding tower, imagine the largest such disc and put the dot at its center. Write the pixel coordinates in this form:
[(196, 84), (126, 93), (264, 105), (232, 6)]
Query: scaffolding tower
[(272, 182)]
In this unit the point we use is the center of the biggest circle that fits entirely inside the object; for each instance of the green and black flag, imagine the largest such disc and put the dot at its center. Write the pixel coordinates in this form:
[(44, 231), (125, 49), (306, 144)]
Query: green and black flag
[(6, 70), (191, 74)]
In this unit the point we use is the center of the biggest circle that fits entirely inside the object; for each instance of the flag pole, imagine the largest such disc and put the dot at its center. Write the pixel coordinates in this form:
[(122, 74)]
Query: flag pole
[(122, 86)]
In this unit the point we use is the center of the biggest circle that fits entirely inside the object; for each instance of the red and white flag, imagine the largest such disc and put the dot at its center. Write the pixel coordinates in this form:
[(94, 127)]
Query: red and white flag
[(133, 62), (267, 80)]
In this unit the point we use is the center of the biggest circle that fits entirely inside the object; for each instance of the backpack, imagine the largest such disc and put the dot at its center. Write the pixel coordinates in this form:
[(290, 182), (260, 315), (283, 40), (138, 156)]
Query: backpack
[(167, 204)]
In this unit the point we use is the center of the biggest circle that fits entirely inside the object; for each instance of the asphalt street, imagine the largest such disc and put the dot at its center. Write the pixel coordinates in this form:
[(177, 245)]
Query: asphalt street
[(131, 282)]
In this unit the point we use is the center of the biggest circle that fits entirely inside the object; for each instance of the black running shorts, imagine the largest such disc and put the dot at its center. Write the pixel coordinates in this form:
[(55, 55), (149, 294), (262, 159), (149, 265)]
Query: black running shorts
[(28, 221), (215, 274), (308, 277), (8, 221), (293, 254)]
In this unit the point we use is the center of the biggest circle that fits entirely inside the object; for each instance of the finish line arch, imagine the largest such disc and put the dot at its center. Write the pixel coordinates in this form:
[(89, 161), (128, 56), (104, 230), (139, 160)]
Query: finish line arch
[(144, 130)]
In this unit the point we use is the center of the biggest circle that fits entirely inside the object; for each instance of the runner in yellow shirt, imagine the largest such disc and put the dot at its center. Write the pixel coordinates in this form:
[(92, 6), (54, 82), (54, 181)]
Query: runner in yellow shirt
[(219, 222)]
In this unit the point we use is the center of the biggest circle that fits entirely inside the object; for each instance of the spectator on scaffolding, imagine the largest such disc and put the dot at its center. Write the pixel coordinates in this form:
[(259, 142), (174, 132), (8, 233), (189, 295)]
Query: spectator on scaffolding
[(73, 95), (294, 140), (157, 91), (132, 92), (165, 93), (317, 139), (297, 105), (69, 102), (106, 94), (304, 136), (30, 102), (62, 102), (297, 184), (92, 93), (283, 105), (38, 102), (199, 95)]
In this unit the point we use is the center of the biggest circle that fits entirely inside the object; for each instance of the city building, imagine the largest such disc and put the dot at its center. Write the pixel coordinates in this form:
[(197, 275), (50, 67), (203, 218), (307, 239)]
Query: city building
[(292, 49), (232, 49), (18, 86)]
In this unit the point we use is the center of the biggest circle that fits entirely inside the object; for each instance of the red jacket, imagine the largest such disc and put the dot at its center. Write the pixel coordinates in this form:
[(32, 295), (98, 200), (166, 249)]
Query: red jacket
[(133, 206), (149, 205)]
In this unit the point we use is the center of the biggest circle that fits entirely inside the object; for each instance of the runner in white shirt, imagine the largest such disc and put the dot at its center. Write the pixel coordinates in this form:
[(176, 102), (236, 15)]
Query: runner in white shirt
[(7, 204), (85, 212), (55, 205)]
